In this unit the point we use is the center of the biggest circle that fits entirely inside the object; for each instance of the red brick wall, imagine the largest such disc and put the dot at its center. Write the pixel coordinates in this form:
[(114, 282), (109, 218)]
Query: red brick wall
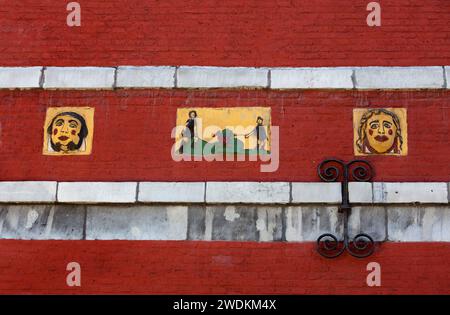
[(132, 134), (218, 268), (226, 33)]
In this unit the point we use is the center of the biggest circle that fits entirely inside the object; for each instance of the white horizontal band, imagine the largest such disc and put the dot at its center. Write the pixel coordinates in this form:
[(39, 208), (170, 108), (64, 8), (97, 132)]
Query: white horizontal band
[(435, 77), (222, 192), (296, 223)]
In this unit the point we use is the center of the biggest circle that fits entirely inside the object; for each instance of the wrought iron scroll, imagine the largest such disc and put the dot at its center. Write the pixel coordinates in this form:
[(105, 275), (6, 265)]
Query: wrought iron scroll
[(333, 170)]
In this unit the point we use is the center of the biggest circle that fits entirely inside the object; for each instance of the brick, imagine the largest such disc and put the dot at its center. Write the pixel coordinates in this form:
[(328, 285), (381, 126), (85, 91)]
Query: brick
[(20, 77), (97, 192), (37, 192), (215, 77), (360, 192), (171, 192), (247, 192), (146, 77), (79, 78), (311, 78), (138, 223), (410, 193), (399, 78), (239, 34), (316, 193)]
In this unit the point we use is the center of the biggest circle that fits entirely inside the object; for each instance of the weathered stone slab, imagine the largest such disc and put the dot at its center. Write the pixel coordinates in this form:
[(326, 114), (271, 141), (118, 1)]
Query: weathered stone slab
[(137, 223), (42, 222)]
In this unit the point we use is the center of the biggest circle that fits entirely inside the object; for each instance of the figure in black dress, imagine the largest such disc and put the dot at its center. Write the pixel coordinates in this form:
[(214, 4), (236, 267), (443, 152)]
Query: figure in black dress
[(190, 132)]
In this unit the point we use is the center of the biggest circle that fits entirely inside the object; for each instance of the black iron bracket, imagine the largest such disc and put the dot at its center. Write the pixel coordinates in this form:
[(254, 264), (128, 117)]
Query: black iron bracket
[(333, 170)]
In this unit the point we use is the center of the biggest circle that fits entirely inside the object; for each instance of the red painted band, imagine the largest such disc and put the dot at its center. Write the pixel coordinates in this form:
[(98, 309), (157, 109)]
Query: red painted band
[(163, 267), (132, 135), (229, 33)]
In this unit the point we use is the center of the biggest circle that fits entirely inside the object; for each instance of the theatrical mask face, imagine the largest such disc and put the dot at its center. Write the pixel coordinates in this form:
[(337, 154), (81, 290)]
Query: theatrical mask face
[(381, 132), (65, 129)]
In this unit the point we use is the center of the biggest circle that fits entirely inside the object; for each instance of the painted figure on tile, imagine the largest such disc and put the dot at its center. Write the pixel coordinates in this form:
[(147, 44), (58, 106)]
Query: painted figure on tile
[(380, 132), (189, 134), (68, 131), (210, 131), (260, 132)]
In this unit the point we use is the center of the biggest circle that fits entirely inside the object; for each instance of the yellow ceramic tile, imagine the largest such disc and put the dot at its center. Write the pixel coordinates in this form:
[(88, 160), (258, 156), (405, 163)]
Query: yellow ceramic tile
[(380, 131), (240, 123), (68, 131)]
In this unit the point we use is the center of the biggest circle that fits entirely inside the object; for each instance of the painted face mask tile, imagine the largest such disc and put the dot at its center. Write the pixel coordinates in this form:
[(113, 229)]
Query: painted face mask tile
[(68, 131), (380, 131)]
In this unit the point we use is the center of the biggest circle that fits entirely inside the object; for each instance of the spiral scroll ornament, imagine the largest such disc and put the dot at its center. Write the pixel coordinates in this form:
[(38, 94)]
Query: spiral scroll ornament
[(334, 170)]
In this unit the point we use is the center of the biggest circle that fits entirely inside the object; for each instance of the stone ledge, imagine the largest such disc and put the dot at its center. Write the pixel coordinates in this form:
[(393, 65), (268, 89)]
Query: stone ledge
[(399, 78), (434, 193), (176, 192), (223, 192), (222, 77), (248, 192), (23, 192), (226, 77), (262, 223), (311, 78), (360, 192), (79, 78), (97, 192), (145, 77), (20, 77), (316, 193), (139, 223)]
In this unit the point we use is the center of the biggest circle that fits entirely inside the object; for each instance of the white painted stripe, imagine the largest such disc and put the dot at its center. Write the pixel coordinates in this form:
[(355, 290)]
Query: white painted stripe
[(436, 77), (223, 192)]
